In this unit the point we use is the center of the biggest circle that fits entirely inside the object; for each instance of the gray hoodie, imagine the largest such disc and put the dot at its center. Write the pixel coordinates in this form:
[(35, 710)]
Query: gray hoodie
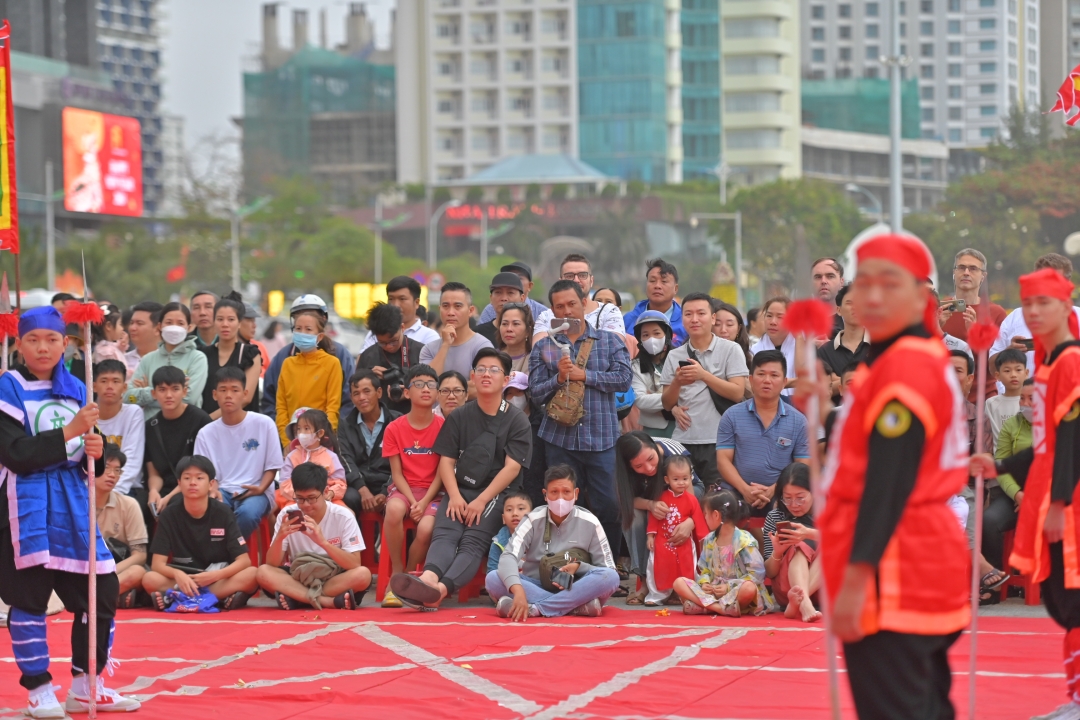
[(580, 529)]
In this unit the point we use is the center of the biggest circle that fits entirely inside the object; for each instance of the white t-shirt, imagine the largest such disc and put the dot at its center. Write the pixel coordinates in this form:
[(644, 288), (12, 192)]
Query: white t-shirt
[(787, 347), (416, 331), (241, 453), (999, 409), (128, 430), (338, 526), (610, 318), (722, 358), (1014, 326)]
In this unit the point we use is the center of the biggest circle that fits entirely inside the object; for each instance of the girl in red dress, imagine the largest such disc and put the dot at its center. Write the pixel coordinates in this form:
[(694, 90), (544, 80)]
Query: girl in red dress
[(671, 557)]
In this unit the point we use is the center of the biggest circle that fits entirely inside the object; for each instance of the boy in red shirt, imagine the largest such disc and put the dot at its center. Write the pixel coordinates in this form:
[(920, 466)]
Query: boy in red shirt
[(415, 491), (1046, 531)]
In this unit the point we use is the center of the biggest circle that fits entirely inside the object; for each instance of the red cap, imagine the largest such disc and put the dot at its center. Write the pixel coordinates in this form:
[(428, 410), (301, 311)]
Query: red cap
[(910, 253)]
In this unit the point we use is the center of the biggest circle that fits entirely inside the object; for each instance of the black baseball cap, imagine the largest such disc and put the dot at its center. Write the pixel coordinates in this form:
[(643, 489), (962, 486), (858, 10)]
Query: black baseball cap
[(507, 279), (518, 267)]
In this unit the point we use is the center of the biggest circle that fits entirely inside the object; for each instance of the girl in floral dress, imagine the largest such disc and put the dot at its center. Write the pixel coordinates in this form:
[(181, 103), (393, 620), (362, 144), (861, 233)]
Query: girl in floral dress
[(730, 572)]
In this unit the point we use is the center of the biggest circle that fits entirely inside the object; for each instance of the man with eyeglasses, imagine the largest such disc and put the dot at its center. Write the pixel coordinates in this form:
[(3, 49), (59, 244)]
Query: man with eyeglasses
[(391, 355), (313, 526), (484, 446), (604, 317), (969, 273)]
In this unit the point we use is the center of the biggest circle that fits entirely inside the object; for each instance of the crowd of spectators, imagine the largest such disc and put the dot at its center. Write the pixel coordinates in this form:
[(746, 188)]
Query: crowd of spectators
[(656, 452)]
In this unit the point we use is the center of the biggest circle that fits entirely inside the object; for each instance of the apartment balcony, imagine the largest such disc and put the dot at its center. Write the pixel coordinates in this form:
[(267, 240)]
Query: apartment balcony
[(757, 46), (748, 83), (674, 153), (673, 40), (759, 156), (672, 5), (447, 41), (674, 116), (751, 120), (673, 78), (758, 8)]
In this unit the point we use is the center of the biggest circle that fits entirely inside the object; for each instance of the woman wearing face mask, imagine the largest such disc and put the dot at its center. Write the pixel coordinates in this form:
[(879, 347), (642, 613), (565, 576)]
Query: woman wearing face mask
[(653, 333), (639, 462), (178, 349), (230, 349), (311, 377)]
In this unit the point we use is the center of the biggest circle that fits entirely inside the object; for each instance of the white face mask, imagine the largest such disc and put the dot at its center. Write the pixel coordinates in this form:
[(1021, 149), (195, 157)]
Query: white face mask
[(307, 440), (1029, 413), (560, 507), (173, 334), (520, 402), (653, 345)]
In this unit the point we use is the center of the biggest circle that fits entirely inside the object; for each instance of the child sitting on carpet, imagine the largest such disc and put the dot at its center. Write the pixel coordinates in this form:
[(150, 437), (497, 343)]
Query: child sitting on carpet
[(730, 576), (517, 506), (668, 560), (312, 440)]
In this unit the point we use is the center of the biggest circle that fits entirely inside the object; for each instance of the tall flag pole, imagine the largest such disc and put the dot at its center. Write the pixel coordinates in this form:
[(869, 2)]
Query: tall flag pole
[(808, 320), (9, 196), (85, 314)]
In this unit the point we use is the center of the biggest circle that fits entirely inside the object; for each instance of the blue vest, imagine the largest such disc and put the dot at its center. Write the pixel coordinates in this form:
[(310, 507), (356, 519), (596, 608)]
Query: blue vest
[(49, 509)]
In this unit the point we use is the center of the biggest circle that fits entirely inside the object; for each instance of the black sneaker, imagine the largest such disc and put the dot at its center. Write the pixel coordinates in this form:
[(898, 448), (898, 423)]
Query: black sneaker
[(285, 602)]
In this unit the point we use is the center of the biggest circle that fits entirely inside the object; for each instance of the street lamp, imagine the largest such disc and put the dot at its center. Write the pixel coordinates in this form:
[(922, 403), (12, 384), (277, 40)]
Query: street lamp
[(853, 188), (235, 218), (433, 230), (695, 218)]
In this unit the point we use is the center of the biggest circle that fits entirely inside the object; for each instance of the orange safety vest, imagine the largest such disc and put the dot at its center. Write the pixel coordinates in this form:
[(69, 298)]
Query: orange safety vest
[(923, 577), (1057, 389)]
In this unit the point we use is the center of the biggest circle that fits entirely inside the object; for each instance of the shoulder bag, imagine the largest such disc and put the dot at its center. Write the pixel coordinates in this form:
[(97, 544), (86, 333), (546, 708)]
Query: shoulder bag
[(721, 403), (475, 461), (550, 563), (567, 407)]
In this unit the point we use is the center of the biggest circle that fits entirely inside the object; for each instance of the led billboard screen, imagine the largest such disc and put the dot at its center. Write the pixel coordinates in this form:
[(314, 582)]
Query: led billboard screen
[(102, 163)]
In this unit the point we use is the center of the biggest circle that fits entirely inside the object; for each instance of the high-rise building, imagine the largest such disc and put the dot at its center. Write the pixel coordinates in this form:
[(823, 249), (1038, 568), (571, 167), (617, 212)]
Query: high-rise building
[(700, 65), (761, 94), (172, 165), (478, 80), (129, 50), (973, 59)]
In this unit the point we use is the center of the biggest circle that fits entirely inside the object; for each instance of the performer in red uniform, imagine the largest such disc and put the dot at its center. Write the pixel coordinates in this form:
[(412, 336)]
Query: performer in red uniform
[(1047, 535), (894, 558)]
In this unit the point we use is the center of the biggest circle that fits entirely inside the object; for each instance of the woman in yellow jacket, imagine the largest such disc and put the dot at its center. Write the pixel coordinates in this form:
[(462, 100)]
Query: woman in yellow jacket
[(310, 378)]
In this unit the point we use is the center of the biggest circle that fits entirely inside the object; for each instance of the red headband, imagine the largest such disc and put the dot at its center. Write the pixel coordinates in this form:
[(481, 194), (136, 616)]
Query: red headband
[(904, 250), (1046, 282), (908, 252)]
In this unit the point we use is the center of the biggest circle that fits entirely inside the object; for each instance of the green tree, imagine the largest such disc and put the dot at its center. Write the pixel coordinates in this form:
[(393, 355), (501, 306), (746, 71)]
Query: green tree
[(503, 196), (440, 196), (532, 193), (559, 192), (474, 194)]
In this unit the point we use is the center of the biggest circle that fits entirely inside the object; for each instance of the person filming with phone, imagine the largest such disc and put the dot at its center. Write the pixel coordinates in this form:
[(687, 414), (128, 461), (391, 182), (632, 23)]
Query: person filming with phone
[(576, 372), (956, 315)]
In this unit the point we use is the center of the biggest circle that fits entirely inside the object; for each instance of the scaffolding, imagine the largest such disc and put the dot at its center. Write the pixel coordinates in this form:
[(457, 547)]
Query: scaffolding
[(323, 115), (859, 106)]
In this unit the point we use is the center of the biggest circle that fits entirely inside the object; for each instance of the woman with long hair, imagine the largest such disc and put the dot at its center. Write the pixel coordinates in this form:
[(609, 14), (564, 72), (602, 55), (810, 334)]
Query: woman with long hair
[(514, 334), (654, 337), (790, 545), (230, 349), (108, 340), (639, 481), (728, 324)]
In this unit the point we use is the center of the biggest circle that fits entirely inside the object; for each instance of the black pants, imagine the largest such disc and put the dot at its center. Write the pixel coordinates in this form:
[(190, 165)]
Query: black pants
[(1062, 604), (352, 501), (29, 590), (703, 458), (456, 551), (998, 518), (897, 676), (533, 477)]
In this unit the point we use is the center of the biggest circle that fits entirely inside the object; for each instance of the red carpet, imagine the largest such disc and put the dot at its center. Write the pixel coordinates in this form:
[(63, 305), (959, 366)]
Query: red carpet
[(262, 664)]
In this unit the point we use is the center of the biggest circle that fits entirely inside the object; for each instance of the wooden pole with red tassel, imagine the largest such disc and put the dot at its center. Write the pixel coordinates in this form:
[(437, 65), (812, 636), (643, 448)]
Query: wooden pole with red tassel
[(85, 314), (9, 321), (809, 320)]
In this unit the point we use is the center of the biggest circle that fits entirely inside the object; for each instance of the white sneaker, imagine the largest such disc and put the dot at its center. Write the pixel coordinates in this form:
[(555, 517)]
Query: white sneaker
[(1068, 711), (43, 703), (593, 608), (107, 701), (502, 608)]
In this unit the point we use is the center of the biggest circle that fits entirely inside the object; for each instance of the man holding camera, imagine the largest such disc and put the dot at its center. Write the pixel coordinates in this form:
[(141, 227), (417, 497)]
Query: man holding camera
[(391, 356), (581, 373), (957, 315)]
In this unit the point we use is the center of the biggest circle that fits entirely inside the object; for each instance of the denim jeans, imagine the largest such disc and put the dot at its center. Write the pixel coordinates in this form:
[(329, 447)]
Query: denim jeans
[(596, 476), (598, 583), (249, 512), (637, 543)]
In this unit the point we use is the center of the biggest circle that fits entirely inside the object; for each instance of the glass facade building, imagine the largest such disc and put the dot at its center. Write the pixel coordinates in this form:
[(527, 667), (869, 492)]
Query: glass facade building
[(700, 87)]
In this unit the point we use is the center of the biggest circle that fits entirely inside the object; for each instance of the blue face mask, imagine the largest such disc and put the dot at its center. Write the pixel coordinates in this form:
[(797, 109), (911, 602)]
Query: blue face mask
[(304, 342)]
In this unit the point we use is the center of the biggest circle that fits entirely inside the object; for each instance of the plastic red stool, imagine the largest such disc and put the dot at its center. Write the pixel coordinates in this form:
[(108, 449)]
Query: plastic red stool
[(1031, 588), (472, 589), (259, 543), (384, 559), (369, 522)]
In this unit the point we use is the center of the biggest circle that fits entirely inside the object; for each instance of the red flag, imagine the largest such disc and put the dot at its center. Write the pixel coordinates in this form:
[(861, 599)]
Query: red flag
[(176, 274), (1069, 97), (9, 201)]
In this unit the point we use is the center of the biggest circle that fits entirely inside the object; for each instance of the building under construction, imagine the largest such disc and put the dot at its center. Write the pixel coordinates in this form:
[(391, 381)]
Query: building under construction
[(322, 113)]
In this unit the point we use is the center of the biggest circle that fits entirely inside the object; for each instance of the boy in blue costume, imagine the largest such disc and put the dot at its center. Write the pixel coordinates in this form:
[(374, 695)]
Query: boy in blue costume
[(45, 436)]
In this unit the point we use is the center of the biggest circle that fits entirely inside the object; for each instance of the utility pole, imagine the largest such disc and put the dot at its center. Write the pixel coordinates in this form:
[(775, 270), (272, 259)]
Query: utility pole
[(378, 239), (50, 229), (896, 158)]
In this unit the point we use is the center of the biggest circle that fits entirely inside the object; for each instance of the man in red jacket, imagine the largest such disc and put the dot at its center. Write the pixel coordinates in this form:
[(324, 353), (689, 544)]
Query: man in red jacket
[(894, 557), (1046, 532)]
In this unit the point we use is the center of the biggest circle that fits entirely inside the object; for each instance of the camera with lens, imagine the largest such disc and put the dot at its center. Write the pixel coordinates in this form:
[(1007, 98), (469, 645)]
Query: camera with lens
[(393, 381)]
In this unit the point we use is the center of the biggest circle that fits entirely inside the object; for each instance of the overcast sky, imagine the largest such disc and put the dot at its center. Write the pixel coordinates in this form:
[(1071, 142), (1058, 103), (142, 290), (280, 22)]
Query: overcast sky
[(210, 43)]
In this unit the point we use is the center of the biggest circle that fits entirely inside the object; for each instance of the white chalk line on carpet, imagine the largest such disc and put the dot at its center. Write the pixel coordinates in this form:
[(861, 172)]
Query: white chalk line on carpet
[(321, 676), (454, 673), (531, 649)]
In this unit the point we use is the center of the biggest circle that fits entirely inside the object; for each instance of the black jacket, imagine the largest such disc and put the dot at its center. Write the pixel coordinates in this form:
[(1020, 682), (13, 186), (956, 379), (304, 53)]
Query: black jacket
[(362, 469), (375, 356)]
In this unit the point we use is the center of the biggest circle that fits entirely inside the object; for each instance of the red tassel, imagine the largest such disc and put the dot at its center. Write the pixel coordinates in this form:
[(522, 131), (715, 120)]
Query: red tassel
[(981, 336), (82, 313), (9, 325), (812, 318)]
